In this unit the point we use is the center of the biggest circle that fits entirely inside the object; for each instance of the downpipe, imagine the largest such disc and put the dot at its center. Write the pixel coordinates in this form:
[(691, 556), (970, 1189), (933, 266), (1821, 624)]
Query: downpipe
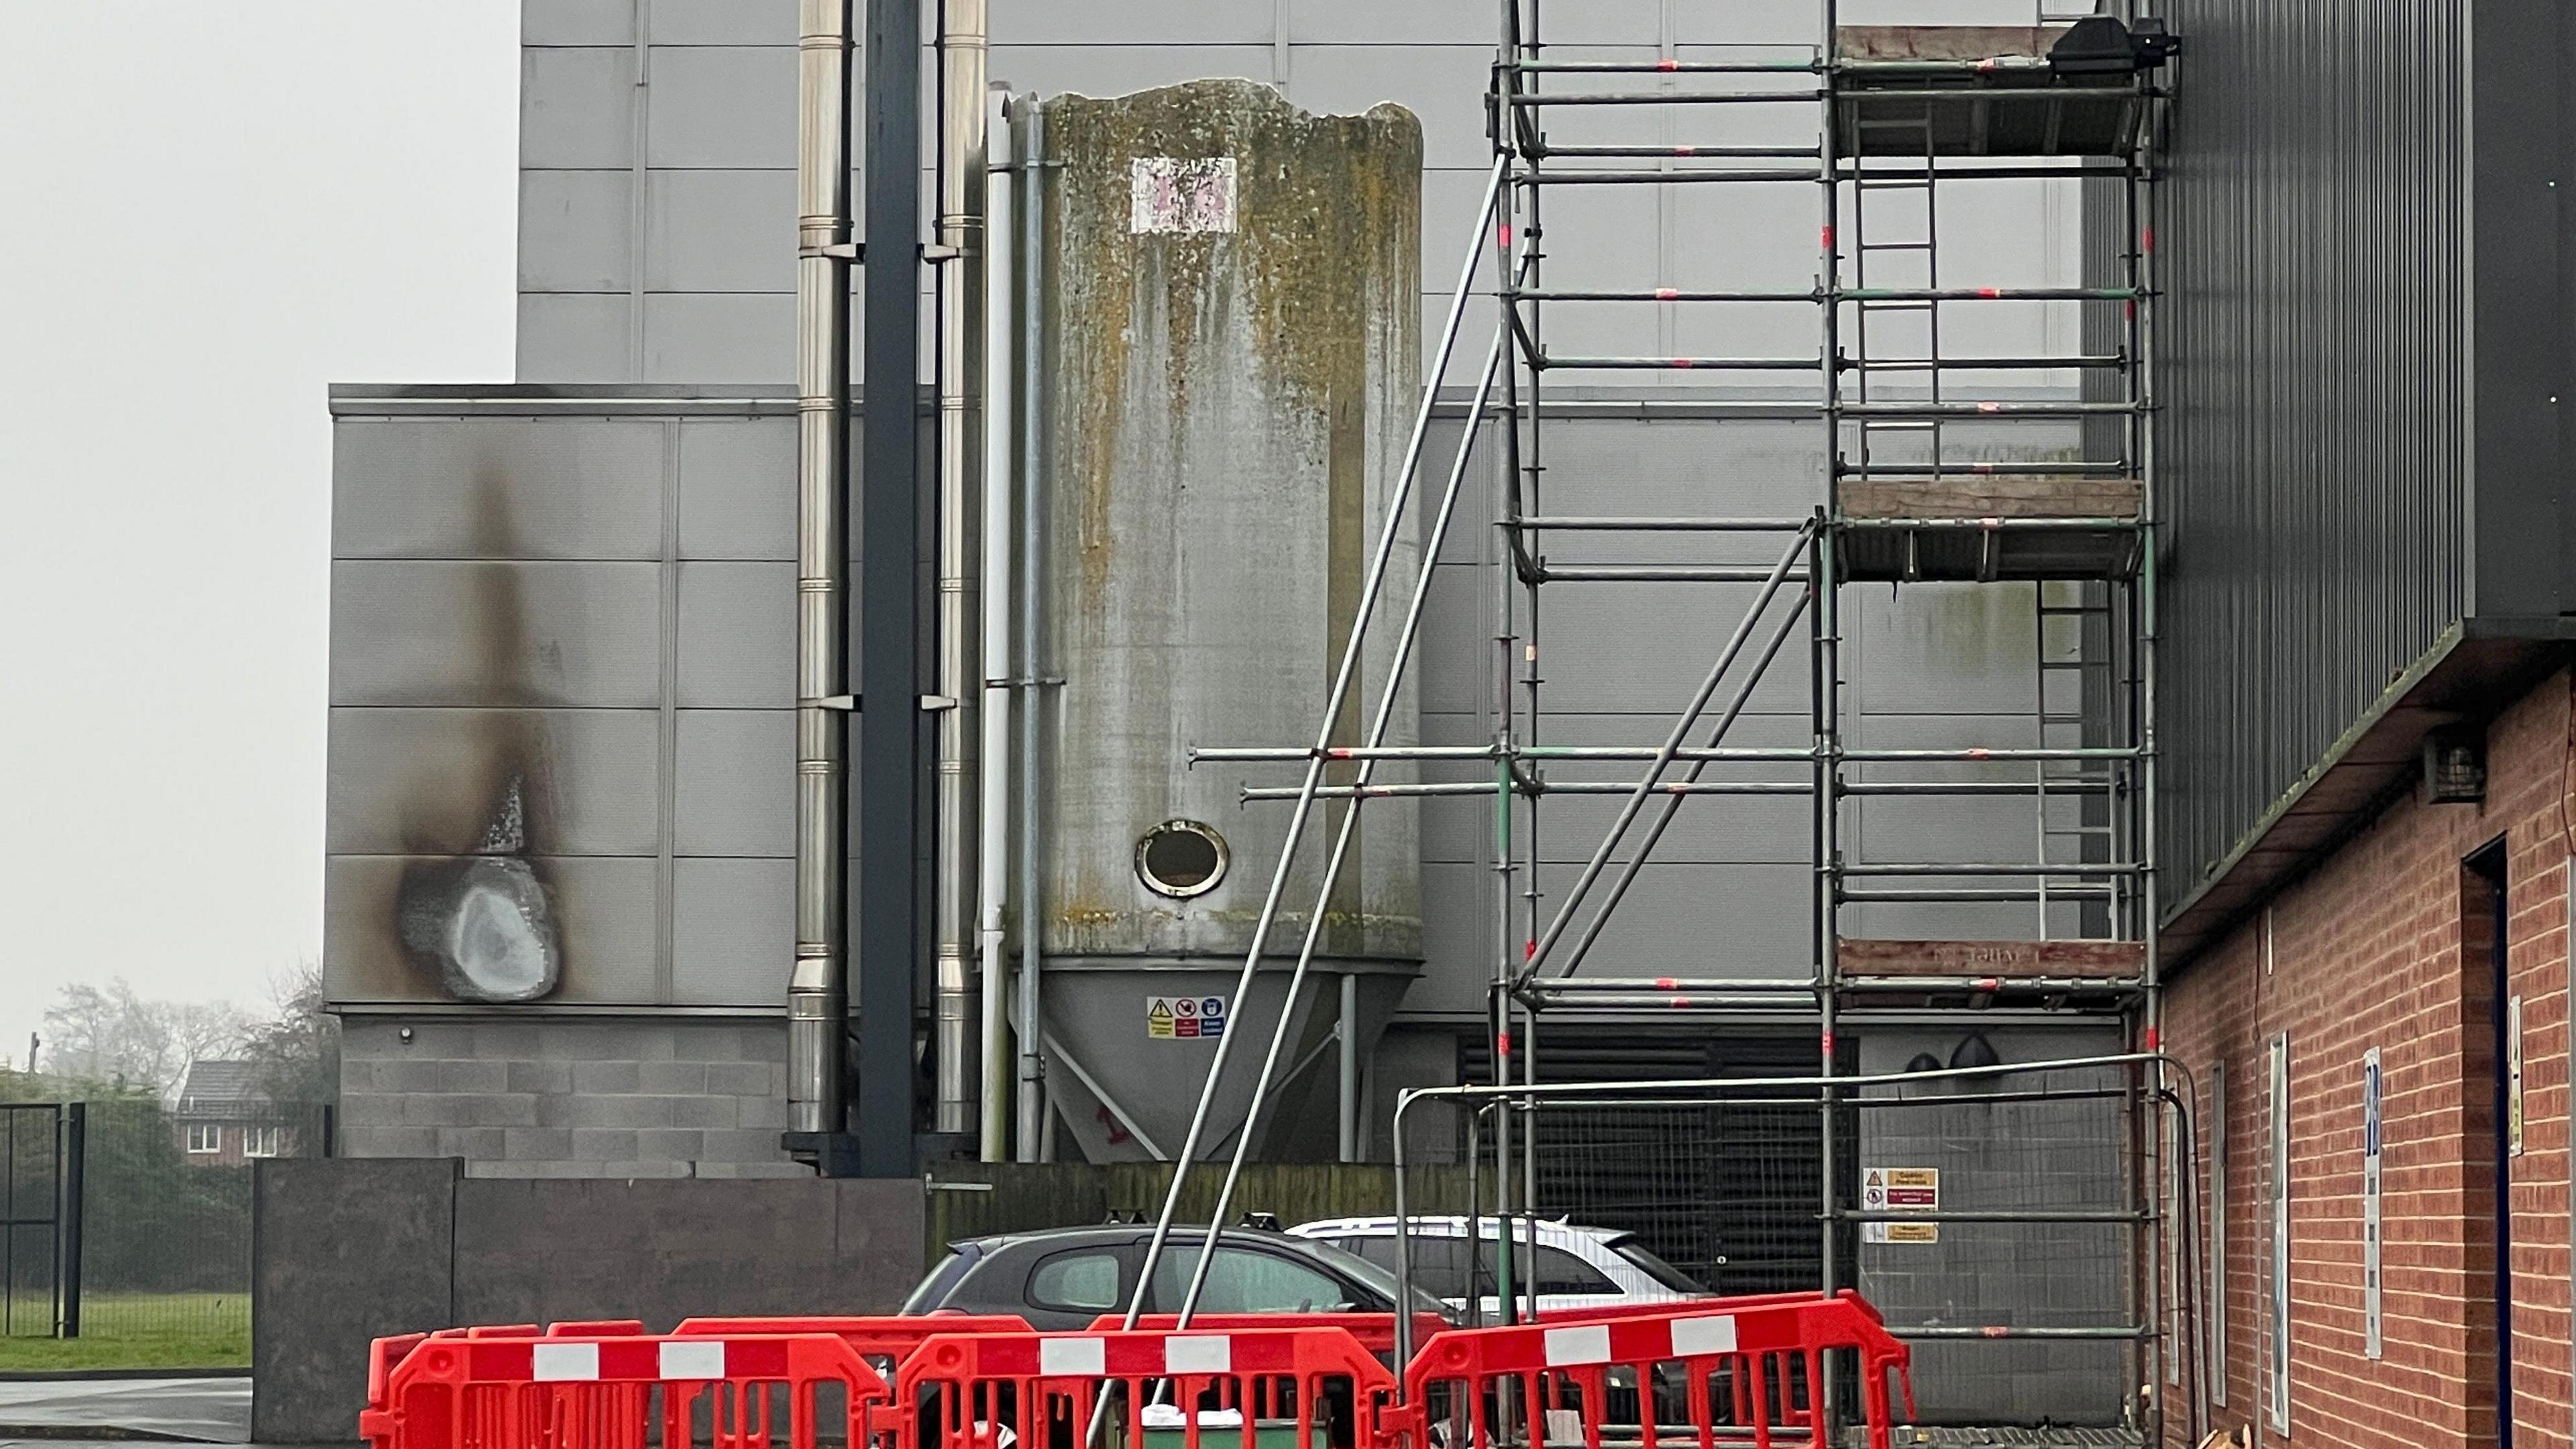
[(961, 225), (817, 984)]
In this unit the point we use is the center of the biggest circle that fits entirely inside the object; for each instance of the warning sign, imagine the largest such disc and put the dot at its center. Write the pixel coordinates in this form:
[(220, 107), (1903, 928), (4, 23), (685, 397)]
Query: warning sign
[(1900, 1190), (1174, 1018)]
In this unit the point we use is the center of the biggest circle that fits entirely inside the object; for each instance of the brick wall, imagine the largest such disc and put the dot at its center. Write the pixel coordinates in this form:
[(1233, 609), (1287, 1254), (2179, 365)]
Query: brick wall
[(2386, 946), (562, 1098)]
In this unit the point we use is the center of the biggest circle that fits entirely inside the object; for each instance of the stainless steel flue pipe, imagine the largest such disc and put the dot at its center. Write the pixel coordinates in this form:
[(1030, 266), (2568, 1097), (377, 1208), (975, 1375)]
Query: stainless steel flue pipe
[(817, 985), (960, 257), (993, 1094)]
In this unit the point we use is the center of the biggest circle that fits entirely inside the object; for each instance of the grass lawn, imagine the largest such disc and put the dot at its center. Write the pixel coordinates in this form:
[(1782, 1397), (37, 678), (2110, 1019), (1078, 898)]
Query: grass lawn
[(142, 1330)]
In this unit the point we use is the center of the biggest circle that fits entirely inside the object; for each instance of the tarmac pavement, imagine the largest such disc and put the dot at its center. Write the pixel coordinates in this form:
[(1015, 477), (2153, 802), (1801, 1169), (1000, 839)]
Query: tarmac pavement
[(58, 1412)]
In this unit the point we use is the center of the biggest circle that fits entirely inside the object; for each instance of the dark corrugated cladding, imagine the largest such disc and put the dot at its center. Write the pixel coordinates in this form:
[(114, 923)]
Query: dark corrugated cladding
[(2361, 347)]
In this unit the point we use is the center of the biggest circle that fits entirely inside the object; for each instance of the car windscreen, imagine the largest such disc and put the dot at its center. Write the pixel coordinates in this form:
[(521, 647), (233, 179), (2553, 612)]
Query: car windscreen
[(1664, 1274)]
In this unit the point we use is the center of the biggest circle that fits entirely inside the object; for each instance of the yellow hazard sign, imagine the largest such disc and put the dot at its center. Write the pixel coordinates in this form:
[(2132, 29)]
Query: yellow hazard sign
[(1158, 1016)]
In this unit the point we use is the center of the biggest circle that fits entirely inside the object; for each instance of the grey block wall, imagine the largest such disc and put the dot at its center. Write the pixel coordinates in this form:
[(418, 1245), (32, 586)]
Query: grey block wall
[(559, 1097)]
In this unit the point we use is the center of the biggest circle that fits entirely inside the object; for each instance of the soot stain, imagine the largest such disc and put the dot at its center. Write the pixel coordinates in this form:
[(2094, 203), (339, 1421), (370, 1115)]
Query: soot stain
[(473, 909)]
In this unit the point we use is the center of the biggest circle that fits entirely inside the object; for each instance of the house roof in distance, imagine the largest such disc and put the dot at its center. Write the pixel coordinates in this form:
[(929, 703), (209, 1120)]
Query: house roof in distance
[(214, 1089)]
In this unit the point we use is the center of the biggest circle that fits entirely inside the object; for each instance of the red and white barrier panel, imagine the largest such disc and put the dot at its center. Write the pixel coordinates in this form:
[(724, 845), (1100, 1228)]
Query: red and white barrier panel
[(882, 1339), (1375, 1331), (1685, 1375), (610, 1391), (1185, 1390)]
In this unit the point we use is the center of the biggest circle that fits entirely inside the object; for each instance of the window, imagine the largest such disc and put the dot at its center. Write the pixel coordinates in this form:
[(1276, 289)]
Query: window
[(205, 1137), (1656, 1268), (1440, 1267), (1243, 1280), (1085, 1279), (259, 1141)]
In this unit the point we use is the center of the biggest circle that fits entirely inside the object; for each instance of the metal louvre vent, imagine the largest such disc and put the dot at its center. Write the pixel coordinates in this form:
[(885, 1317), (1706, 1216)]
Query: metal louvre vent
[(1727, 1194)]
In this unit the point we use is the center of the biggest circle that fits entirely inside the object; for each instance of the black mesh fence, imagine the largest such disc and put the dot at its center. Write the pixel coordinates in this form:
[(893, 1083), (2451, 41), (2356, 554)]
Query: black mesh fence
[(31, 1197), (165, 1251)]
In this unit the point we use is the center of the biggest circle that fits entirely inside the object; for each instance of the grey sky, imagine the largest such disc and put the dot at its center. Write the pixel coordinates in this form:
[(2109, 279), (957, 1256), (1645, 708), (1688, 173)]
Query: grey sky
[(208, 212)]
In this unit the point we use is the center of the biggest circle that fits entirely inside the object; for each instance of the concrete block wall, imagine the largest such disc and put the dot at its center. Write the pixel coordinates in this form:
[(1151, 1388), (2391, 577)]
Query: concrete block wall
[(629, 1098), (2382, 946)]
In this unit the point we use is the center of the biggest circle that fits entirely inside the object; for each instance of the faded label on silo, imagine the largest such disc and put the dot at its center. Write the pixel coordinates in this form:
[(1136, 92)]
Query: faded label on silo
[(1175, 195)]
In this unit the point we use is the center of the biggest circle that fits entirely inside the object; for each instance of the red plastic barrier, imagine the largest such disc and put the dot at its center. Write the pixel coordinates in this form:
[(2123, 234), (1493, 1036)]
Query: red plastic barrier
[(1701, 1368), (877, 1336), (1232, 1389), (517, 1389), (1375, 1331)]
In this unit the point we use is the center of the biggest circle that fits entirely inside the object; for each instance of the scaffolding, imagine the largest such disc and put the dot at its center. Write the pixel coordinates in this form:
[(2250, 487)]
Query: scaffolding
[(1907, 123)]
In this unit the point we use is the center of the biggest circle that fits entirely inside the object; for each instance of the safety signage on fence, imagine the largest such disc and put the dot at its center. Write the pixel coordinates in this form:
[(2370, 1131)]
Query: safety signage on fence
[(1900, 1190), (1169, 1018)]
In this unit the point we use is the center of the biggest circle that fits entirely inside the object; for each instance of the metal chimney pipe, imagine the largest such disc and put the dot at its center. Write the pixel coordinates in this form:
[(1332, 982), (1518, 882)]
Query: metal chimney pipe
[(993, 1120), (817, 985), (960, 248), (1032, 1101)]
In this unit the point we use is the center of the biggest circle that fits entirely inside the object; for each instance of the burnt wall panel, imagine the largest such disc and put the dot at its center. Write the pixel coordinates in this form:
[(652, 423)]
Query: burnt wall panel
[(2316, 359)]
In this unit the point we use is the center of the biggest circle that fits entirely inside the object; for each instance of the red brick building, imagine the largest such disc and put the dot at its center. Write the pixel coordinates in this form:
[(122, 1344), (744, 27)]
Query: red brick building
[(2366, 746), (2389, 946), (224, 1118)]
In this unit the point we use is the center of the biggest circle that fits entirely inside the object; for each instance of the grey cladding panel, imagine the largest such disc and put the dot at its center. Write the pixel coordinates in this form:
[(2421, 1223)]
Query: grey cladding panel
[(733, 931), (577, 22), (490, 489), (573, 337), (396, 775), (737, 635), (604, 913), (723, 106), (576, 634), (1451, 22), (735, 782), (1695, 920), (575, 108), (1443, 85), (1944, 648), (721, 231), (1144, 23), (738, 489), (574, 230), (722, 22), (1115, 70), (1454, 619), (710, 337), (1645, 647)]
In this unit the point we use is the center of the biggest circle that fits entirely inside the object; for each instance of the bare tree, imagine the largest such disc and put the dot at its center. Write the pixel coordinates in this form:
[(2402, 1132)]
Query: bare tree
[(109, 1035), (296, 1051)]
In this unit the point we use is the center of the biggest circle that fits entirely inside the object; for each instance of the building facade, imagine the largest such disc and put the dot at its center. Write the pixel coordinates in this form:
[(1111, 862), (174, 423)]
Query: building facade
[(2368, 717), (563, 607)]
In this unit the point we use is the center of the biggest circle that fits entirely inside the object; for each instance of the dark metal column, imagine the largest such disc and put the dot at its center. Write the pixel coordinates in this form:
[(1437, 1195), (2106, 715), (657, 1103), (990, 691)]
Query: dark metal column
[(885, 824)]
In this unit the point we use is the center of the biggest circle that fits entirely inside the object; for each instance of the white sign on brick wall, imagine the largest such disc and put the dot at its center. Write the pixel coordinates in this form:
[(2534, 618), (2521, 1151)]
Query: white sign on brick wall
[(2370, 1202), (1180, 196)]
